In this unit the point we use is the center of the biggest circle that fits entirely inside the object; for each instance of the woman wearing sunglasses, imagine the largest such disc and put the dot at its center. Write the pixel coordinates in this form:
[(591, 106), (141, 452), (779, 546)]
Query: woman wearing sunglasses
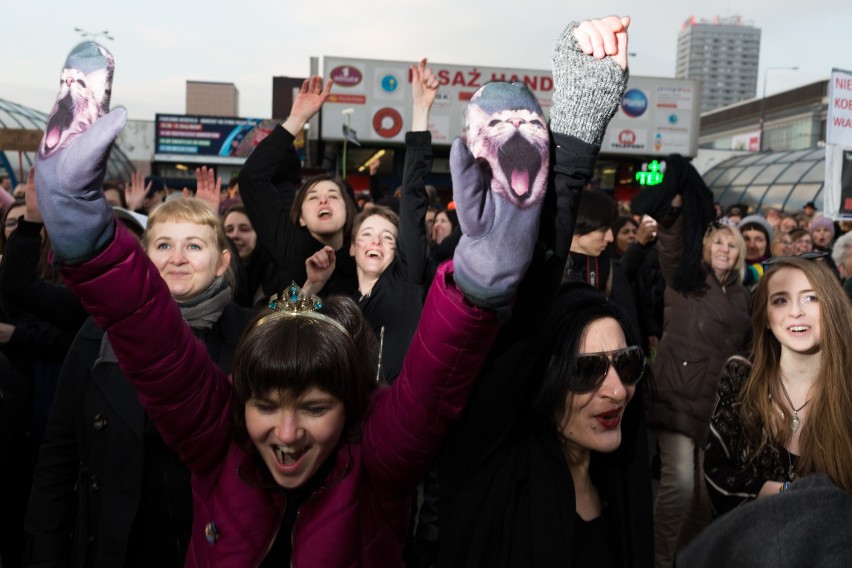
[(550, 466)]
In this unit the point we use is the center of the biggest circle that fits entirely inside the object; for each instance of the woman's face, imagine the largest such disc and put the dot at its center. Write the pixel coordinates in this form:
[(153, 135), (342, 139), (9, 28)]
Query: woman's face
[(788, 224), (374, 246), (12, 219), (782, 245), (324, 209), (626, 236), (756, 244), (186, 256), (239, 229), (594, 243), (722, 250), (803, 244), (442, 227), (592, 420), (295, 435), (793, 311), (821, 237)]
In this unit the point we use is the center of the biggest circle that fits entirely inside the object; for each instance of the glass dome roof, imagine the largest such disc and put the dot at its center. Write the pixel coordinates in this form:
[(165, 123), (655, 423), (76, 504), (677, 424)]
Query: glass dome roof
[(780, 180), (13, 115)]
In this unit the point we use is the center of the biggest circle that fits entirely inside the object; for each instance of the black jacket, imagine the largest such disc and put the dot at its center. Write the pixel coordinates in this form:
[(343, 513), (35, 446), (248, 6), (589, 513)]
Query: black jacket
[(506, 492), (107, 491), (396, 299), (267, 188)]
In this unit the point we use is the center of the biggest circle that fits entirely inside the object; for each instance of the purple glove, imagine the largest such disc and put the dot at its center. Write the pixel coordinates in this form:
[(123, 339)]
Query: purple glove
[(71, 161), (499, 182)]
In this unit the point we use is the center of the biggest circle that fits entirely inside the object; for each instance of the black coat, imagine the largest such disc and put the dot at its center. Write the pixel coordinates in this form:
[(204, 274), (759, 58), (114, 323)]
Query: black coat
[(267, 187), (107, 491), (506, 492)]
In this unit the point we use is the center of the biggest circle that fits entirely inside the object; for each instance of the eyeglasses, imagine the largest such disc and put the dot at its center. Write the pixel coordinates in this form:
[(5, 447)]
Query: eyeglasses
[(810, 255), (592, 368)]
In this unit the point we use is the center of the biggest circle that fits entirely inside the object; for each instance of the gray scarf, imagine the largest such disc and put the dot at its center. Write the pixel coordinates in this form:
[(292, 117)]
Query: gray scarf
[(200, 313)]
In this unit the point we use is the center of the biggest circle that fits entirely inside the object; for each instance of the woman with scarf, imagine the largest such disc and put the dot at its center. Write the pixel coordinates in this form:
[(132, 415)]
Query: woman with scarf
[(107, 491)]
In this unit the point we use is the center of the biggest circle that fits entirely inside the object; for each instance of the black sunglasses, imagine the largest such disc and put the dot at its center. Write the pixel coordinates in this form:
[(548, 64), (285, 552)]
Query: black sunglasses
[(592, 368), (810, 255)]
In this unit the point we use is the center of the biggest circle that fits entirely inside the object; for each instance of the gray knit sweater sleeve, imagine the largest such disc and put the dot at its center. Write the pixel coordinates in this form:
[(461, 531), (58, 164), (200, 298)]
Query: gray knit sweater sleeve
[(587, 91)]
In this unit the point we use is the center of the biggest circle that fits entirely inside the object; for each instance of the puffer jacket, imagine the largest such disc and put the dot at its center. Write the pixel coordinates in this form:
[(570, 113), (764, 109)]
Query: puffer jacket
[(359, 515), (700, 332)]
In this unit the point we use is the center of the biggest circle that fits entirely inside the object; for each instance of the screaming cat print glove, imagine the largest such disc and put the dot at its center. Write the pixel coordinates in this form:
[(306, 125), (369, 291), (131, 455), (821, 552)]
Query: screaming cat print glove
[(586, 92), (499, 181), (71, 160)]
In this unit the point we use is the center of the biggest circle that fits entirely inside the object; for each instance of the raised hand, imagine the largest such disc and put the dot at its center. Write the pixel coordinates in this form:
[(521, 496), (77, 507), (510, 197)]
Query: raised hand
[(589, 76), (135, 191), (31, 212), (607, 36), (208, 187), (71, 165), (498, 189), (319, 266), (308, 102), (424, 88)]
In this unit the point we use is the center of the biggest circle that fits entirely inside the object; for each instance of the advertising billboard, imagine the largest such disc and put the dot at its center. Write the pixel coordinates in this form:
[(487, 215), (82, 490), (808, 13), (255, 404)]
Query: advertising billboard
[(657, 116), (207, 139)]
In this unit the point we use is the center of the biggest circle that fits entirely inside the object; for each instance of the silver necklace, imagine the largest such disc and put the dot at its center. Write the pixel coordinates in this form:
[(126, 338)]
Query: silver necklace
[(794, 423)]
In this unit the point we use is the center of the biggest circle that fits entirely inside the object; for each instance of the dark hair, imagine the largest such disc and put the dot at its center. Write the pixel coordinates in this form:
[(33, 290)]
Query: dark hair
[(117, 186), (299, 199), (15, 203), (621, 221), (577, 305), (596, 211), (284, 353), (451, 215)]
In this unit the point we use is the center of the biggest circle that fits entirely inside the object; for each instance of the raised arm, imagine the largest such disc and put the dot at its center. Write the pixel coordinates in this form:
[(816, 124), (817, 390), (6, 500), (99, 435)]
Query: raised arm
[(412, 252), (182, 390), (273, 171)]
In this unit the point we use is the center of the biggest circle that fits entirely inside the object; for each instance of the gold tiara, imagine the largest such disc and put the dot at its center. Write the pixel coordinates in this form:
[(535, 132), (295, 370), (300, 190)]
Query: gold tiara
[(295, 302)]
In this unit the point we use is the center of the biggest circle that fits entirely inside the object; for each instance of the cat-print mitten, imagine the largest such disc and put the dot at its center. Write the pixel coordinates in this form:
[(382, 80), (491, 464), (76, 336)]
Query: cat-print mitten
[(71, 160), (586, 90), (499, 181)]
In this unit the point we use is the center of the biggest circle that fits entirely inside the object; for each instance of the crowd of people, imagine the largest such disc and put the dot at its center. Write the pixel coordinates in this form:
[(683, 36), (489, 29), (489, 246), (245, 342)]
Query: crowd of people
[(274, 374)]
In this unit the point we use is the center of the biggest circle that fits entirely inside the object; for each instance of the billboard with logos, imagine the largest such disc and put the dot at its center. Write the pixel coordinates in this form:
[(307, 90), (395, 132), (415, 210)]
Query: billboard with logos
[(657, 116)]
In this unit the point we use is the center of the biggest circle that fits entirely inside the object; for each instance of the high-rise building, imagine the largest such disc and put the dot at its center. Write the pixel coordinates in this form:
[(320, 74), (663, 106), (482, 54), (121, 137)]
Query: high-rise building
[(723, 53)]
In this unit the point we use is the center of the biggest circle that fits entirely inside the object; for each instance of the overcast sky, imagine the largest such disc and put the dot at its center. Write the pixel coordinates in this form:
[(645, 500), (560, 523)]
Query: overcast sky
[(160, 44)]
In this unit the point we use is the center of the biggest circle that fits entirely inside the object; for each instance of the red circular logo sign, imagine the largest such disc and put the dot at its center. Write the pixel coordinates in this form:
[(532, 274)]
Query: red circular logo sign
[(346, 76), (387, 122), (626, 137)]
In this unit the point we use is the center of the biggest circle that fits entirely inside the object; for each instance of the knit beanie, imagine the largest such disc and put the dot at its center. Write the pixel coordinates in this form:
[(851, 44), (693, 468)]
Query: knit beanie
[(821, 223), (757, 222)]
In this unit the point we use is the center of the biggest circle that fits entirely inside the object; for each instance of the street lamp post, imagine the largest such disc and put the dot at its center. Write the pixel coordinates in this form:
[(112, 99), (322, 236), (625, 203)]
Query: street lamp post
[(94, 35), (763, 98)]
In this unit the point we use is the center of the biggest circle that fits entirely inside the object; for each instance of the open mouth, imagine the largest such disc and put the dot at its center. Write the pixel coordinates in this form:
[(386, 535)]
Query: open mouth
[(609, 419), (520, 162), (373, 254), (287, 455), (324, 213), (800, 328), (59, 121)]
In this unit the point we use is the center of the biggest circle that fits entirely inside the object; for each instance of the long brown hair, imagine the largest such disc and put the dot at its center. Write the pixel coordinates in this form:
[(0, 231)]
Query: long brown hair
[(825, 441)]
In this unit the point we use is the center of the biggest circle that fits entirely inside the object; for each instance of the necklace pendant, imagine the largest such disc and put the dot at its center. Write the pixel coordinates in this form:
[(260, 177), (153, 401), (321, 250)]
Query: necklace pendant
[(794, 424)]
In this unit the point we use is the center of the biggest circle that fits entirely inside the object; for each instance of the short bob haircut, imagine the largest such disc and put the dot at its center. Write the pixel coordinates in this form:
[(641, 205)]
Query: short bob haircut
[(577, 305), (197, 212), (286, 355), (595, 212), (382, 211), (301, 195), (739, 243)]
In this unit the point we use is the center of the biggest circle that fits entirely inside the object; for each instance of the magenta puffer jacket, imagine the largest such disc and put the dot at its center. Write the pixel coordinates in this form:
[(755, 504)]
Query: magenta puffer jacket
[(359, 516)]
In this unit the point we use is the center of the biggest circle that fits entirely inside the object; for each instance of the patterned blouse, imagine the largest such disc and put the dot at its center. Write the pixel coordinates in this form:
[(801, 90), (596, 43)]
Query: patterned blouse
[(731, 478)]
